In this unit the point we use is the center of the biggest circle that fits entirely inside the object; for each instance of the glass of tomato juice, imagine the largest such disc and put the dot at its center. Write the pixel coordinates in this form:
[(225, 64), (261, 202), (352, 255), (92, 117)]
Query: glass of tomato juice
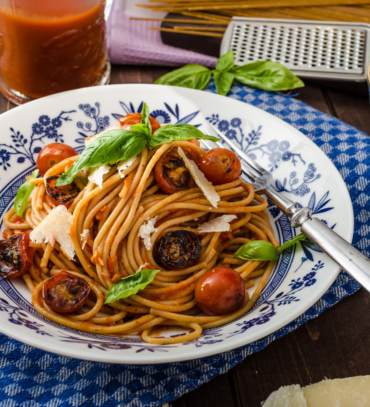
[(50, 46)]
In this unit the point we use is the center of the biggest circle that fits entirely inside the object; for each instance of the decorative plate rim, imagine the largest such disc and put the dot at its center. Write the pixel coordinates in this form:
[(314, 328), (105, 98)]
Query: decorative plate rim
[(231, 343)]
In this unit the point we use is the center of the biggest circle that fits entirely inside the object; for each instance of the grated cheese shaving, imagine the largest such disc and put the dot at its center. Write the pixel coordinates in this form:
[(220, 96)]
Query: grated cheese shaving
[(220, 224), (85, 236), (208, 189), (146, 229), (56, 226), (140, 268), (97, 175), (123, 165)]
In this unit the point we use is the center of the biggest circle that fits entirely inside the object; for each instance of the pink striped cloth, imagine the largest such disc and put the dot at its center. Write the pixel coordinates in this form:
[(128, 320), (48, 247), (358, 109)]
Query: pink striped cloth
[(132, 42)]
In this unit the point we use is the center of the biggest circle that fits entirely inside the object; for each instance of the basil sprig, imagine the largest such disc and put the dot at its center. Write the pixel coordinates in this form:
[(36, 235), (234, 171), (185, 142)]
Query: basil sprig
[(118, 144), (24, 192), (266, 75), (130, 285), (259, 250)]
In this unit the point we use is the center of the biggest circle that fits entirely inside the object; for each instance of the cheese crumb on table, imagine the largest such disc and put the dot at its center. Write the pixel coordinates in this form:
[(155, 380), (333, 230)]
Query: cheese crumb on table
[(56, 227), (208, 189)]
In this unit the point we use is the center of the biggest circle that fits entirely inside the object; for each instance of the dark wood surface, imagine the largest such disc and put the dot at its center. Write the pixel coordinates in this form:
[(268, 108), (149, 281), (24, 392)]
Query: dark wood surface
[(334, 345)]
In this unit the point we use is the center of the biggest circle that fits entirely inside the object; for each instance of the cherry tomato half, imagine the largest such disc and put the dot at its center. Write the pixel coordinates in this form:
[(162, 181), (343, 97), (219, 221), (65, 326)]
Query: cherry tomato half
[(171, 173), (179, 249), (53, 154), (135, 118), (220, 166), (220, 291), (65, 293), (15, 256), (63, 195)]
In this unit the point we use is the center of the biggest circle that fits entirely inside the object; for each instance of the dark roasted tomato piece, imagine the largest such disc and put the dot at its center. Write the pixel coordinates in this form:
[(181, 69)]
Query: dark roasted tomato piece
[(171, 173), (179, 249), (65, 293), (15, 255), (135, 118), (220, 166), (220, 291), (63, 195), (53, 154)]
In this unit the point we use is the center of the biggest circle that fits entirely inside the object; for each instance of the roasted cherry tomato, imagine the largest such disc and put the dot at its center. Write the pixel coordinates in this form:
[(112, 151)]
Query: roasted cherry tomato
[(65, 293), (63, 195), (220, 166), (179, 249), (171, 173), (135, 118), (220, 291), (53, 154), (15, 255)]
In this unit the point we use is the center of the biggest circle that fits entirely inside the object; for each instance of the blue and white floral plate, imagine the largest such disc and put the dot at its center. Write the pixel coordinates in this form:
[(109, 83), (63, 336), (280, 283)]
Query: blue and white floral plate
[(301, 171)]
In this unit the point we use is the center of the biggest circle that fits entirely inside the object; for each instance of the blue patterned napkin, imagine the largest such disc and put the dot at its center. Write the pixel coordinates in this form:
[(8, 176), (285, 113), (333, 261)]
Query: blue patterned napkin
[(49, 380)]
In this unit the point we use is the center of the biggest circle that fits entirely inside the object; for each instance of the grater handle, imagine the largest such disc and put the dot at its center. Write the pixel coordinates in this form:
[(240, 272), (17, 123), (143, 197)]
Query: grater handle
[(343, 253)]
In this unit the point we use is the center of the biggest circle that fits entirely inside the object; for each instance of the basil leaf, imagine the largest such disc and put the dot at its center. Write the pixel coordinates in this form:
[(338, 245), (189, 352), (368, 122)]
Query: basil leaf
[(267, 75), (173, 132), (226, 62), (189, 76), (142, 129), (223, 81), (291, 242), (110, 147), (24, 192), (258, 250), (130, 285), (145, 117)]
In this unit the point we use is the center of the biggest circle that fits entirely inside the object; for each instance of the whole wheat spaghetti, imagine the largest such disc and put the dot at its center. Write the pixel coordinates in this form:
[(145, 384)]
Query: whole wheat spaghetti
[(105, 231)]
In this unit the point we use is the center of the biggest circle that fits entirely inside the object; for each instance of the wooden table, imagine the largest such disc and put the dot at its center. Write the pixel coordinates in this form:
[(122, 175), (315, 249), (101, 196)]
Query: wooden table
[(334, 345)]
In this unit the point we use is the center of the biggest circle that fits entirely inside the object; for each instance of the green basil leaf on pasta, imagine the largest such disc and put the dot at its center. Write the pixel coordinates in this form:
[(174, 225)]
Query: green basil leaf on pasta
[(226, 62), (24, 192), (111, 147), (291, 242), (257, 250), (145, 117), (223, 81), (267, 75), (130, 285), (189, 76), (177, 132), (144, 130)]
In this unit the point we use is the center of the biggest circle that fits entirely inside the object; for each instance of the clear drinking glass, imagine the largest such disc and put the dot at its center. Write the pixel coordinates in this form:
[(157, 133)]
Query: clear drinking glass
[(50, 46)]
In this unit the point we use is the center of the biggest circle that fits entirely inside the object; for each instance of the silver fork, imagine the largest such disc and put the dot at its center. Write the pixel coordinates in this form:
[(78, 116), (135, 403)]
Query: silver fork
[(343, 253)]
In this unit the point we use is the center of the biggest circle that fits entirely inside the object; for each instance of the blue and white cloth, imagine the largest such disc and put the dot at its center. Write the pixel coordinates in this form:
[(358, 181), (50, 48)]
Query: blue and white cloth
[(32, 377)]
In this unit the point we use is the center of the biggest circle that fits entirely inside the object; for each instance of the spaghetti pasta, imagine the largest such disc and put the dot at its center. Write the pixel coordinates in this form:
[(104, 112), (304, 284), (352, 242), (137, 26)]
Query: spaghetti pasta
[(105, 234)]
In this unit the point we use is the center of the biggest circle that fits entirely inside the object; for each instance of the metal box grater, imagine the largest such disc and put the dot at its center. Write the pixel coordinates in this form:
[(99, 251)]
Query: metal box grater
[(313, 49)]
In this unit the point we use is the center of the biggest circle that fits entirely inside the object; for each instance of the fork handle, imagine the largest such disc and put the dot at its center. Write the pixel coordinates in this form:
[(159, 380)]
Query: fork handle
[(287, 206), (344, 254)]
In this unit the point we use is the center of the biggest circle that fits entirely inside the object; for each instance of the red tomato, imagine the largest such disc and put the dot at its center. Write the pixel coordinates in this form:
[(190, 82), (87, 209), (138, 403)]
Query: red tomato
[(15, 255), (53, 154), (63, 195), (135, 118), (171, 173), (220, 291), (220, 166), (65, 293)]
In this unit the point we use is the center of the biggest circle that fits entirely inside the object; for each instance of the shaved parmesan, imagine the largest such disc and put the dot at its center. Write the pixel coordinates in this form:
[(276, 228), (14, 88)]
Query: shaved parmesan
[(56, 227), (220, 224), (85, 236), (123, 165), (97, 175), (146, 229), (208, 189), (140, 268)]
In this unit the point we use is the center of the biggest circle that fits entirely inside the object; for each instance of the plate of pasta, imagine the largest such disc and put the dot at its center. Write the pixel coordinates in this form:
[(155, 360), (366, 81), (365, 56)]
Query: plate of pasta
[(128, 237)]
